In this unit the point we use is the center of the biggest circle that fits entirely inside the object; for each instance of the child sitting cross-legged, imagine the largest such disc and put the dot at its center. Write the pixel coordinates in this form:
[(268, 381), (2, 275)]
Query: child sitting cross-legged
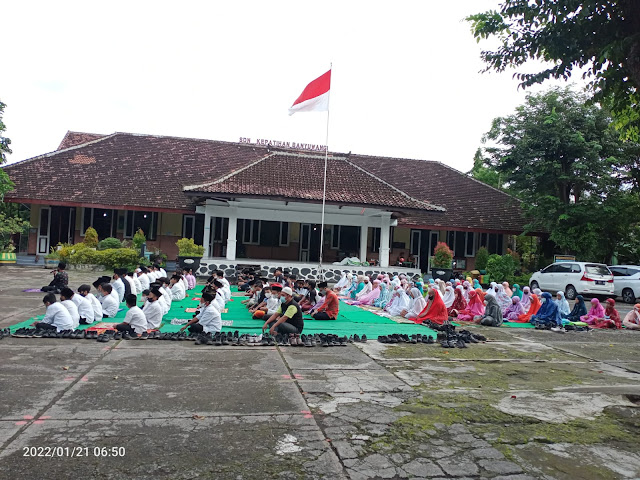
[(135, 322), (207, 320)]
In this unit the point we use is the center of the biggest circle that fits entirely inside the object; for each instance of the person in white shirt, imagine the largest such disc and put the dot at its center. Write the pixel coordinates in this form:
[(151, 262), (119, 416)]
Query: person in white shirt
[(163, 272), (132, 286), (118, 286), (183, 280), (178, 292), (84, 308), (226, 289), (153, 309), (136, 282), (66, 302), (84, 291), (166, 293), (143, 278), (110, 304), (208, 320), (135, 321), (57, 316)]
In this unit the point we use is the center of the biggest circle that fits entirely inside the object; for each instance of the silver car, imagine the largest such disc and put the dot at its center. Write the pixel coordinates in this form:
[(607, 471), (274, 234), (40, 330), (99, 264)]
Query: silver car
[(626, 281)]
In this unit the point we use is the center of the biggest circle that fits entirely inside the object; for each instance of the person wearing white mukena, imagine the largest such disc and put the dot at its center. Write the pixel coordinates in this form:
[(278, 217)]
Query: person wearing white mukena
[(85, 310)]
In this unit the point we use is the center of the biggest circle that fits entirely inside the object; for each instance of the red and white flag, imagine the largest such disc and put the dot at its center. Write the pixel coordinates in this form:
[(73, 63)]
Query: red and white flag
[(315, 96)]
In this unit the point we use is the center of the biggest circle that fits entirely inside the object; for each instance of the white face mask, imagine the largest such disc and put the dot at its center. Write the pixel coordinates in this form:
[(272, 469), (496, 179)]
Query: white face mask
[(267, 295), (543, 300)]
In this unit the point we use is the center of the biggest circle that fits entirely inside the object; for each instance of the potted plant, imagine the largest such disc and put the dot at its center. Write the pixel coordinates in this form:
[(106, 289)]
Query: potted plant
[(441, 262), (10, 226), (52, 259), (189, 254)]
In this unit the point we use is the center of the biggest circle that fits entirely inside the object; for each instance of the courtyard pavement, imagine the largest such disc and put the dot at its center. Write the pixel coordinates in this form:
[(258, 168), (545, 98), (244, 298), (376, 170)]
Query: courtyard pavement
[(526, 404)]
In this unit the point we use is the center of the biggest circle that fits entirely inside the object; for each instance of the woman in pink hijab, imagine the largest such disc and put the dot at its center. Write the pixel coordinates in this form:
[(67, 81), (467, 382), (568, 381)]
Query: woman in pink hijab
[(507, 289), (596, 312), (475, 308), (370, 297)]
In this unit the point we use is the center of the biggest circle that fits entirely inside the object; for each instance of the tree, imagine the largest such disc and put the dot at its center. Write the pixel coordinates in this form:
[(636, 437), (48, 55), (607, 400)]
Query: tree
[(564, 160), (600, 36), (482, 172)]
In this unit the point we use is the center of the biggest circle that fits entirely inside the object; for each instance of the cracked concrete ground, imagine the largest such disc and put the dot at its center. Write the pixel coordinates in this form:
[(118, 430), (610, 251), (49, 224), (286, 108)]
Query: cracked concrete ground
[(526, 404)]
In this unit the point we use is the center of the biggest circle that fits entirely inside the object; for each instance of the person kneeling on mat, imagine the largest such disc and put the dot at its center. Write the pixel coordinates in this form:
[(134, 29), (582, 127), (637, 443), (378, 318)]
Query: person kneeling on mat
[(208, 319), (57, 316), (329, 309), (288, 318), (135, 322)]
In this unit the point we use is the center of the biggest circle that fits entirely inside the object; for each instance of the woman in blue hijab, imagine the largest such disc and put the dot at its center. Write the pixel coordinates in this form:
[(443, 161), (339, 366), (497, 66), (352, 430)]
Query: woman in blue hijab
[(548, 315)]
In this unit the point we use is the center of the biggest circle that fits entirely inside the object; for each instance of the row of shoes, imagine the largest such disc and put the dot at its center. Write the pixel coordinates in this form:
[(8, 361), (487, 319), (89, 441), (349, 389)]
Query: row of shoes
[(452, 339), (5, 332), (283, 340), (403, 338)]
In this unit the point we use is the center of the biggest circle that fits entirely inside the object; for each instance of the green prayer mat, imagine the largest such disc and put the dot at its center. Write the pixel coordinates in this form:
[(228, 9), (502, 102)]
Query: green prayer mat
[(351, 319), (517, 325)]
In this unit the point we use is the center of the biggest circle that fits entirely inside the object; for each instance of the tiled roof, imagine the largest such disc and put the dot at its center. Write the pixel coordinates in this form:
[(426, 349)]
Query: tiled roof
[(470, 204), (71, 139), (150, 172), (127, 170), (299, 176)]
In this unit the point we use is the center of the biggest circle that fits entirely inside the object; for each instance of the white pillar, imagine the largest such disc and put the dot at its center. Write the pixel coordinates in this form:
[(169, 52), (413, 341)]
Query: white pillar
[(231, 237), (206, 237), (363, 243), (385, 227)]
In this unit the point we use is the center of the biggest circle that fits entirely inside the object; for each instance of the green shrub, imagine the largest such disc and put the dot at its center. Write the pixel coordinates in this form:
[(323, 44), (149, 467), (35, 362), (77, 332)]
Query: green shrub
[(482, 257), (188, 248), (522, 280), (111, 258), (138, 239), (91, 237), (109, 242), (501, 268)]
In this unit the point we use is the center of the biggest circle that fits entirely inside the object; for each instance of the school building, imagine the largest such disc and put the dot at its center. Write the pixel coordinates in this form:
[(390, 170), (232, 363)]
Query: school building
[(257, 204)]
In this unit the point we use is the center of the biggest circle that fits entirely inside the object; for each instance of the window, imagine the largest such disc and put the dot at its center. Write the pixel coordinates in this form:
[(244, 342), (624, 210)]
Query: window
[(103, 220), (375, 239), (250, 232), (457, 241), (220, 229), (284, 234), (335, 237), (128, 224), (470, 244), (147, 221), (575, 268), (597, 269), (188, 226), (563, 268), (553, 268), (345, 238)]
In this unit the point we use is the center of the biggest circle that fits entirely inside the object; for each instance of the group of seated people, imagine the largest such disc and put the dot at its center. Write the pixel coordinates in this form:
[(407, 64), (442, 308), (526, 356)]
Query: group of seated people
[(283, 301), (157, 290), (466, 300)]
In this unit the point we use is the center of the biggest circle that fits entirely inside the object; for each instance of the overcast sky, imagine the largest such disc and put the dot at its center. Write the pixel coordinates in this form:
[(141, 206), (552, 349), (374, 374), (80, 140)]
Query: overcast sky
[(405, 79)]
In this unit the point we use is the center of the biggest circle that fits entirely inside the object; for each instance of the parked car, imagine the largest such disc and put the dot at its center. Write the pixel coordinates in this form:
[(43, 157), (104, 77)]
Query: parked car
[(626, 280), (574, 278)]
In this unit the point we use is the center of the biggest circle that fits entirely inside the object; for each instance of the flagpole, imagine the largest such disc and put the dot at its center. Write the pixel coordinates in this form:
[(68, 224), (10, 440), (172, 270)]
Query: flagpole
[(324, 188)]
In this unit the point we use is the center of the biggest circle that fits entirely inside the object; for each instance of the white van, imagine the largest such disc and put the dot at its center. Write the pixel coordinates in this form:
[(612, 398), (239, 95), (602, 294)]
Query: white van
[(574, 278)]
